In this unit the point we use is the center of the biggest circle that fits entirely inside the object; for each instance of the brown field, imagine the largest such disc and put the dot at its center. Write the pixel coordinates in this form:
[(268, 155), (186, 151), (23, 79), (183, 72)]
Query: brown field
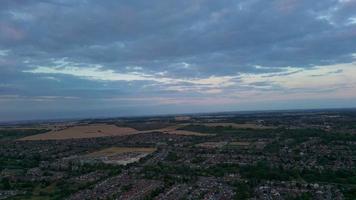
[(83, 131), (239, 126), (173, 130), (121, 155), (240, 143), (212, 145), (64, 132), (118, 150), (183, 132)]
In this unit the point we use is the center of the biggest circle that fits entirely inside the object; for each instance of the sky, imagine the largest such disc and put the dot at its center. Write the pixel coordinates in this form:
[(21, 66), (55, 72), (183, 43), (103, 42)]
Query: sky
[(89, 58)]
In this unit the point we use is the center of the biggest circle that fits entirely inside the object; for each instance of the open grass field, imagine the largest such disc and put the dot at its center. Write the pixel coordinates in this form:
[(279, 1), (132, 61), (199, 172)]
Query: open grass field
[(83, 131), (175, 131), (118, 150), (240, 143), (183, 132), (121, 155)]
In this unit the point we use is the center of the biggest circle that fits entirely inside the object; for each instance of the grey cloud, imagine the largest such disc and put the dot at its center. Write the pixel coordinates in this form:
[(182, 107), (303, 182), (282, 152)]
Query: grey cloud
[(212, 38), (332, 72), (234, 35)]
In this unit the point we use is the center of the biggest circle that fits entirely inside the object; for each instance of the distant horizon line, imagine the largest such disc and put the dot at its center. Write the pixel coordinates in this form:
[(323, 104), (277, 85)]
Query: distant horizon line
[(53, 120)]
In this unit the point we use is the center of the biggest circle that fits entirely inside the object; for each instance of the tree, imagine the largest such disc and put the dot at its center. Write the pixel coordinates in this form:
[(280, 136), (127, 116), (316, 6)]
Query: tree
[(5, 184)]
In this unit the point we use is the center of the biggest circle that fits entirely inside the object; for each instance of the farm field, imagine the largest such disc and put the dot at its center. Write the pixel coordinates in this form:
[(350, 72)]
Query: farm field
[(117, 150), (83, 131), (102, 130), (310, 155), (121, 155), (175, 131)]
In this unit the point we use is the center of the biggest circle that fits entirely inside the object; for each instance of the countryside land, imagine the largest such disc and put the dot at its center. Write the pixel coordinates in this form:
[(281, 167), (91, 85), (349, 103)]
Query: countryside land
[(294, 155)]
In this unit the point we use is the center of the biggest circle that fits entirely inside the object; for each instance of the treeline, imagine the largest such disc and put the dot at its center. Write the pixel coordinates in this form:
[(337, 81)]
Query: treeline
[(12, 134)]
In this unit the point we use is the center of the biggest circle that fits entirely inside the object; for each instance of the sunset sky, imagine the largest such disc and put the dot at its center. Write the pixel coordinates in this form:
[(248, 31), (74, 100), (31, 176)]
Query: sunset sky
[(90, 58)]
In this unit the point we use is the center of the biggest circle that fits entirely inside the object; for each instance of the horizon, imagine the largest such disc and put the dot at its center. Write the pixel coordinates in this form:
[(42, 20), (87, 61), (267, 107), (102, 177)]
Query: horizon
[(240, 112), (90, 59)]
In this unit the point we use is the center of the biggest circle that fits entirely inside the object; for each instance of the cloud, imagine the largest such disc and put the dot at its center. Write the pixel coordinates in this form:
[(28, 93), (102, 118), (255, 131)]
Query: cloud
[(328, 73), (228, 49), (4, 53), (99, 73), (158, 36), (340, 77), (92, 73)]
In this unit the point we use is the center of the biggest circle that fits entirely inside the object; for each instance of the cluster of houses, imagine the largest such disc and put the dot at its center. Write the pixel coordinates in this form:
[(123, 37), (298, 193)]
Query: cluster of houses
[(272, 190), (67, 161)]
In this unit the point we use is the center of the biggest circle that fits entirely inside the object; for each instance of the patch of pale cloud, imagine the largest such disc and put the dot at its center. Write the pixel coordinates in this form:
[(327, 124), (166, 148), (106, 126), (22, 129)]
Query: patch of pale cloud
[(345, 1), (23, 16), (220, 81), (213, 91), (92, 73), (183, 65), (4, 52), (134, 68), (100, 73), (51, 78), (291, 78), (351, 20), (328, 73), (315, 78), (36, 98)]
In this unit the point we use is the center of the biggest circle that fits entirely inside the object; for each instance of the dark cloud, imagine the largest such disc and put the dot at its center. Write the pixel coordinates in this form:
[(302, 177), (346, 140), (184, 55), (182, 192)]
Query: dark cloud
[(171, 39), (231, 34)]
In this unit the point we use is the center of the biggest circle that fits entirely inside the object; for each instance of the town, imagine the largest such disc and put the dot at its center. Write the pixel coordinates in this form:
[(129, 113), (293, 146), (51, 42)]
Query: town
[(254, 155)]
